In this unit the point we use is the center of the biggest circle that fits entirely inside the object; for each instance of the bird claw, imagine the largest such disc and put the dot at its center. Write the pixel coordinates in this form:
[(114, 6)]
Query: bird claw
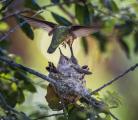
[(51, 67)]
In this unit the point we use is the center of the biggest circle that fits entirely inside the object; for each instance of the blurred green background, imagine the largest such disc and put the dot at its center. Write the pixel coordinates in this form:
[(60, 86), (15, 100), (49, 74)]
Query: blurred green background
[(104, 65)]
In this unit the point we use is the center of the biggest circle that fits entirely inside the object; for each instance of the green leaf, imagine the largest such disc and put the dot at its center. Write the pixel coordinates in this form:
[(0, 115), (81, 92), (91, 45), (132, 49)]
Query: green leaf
[(113, 99), (20, 75), (55, 1), (124, 46), (30, 87), (7, 3), (125, 28), (20, 96), (78, 113), (82, 14), (85, 45), (136, 42), (102, 39), (90, 8), (32, 4), (61, 20), (9, 96), (4, 44), (67, 3), (26, 28), (110, 4), (27, 81), (4, 26), (108, 117)]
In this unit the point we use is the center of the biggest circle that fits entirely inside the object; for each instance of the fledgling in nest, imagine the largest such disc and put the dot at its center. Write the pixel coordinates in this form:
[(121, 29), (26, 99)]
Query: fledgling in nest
[(70, 85), (68, 72)]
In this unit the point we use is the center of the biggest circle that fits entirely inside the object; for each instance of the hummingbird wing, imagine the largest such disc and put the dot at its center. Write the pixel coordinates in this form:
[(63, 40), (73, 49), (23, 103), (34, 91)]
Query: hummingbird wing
[(82, 31), (38, 23)]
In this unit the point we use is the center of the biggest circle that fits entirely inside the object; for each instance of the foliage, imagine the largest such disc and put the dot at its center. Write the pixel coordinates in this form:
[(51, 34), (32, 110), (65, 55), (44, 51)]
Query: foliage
[(111, 17)]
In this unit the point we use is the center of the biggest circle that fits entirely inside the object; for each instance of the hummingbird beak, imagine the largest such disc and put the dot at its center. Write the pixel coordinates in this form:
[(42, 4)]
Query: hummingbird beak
[(61, 54), (50, 50), (73, 59)]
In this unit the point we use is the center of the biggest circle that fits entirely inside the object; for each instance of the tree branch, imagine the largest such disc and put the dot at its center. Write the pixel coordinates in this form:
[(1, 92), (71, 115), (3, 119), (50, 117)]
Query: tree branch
[(7, 4), (41, 117), (71, 16), (42, 8), (132, 68), (18, 25), (2, 1), (4, 104), (29, 70), (26, 10), (40, 75), (36, 73), (15, 13), (58, 4)]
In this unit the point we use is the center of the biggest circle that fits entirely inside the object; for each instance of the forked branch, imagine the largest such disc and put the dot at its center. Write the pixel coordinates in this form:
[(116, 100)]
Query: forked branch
[(40, 75)]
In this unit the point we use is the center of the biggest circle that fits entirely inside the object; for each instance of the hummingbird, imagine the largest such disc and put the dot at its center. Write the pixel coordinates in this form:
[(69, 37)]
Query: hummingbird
[(61, 34)]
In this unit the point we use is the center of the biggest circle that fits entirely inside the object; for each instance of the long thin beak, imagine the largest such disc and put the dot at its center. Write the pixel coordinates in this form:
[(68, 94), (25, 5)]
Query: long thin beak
[(50, 50)]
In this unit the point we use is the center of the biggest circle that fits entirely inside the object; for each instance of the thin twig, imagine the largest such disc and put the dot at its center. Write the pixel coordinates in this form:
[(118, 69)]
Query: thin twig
[(113, 116), (17, 26), (58, 4), (41, 117), (103, 12), (8, 79), (92, 101), (4, 104), (2, 1), (15, 13), (21, 24), (71, 16), (7, 4), (43, 7), (36, 73), (29, 70), (132, 68)]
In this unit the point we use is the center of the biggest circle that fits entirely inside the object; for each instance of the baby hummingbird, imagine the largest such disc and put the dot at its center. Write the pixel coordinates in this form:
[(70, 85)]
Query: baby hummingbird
[(61, 34)]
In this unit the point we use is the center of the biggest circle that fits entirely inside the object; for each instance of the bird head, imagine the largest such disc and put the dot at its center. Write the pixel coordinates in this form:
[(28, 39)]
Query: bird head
[(60, 34)]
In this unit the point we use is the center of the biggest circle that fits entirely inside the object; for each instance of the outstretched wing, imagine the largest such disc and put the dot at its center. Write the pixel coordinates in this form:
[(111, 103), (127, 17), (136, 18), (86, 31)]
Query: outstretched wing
[(82, 31), (38, 23)]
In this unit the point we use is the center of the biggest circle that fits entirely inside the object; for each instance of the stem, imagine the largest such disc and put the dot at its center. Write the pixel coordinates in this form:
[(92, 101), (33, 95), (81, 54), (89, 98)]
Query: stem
[(17, 26), (71, 16), (58, 4), (41, 117), (132, 68), (4, 104), (15, 13), (29, 70), (113, 116), (7, 4)]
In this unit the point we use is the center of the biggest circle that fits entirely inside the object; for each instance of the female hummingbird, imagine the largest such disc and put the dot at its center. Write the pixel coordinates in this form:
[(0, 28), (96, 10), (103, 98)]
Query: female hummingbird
[(61, 34)]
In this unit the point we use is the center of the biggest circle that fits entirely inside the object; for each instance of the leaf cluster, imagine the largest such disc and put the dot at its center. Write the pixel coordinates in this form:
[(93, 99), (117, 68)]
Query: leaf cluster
[(115, 20)]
